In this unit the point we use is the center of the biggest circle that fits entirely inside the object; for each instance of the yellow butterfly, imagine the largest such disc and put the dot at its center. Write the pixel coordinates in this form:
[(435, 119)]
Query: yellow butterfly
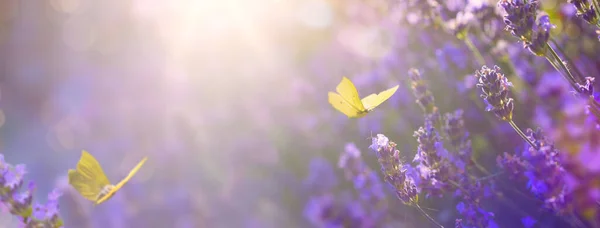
[(91, 182), (347, 101)]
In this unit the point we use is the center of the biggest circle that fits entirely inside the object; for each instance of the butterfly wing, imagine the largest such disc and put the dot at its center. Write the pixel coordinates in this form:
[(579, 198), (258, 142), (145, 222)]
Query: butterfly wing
[(121, 183), (341, 105), (374, 100), (88, 178), (348, 92), (131, 173)]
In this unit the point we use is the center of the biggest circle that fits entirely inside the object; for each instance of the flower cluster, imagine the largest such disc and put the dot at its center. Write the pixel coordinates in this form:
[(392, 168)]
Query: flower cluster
[(522, 22), (366, 182), (586, 10), (458, 136), (495, 86), (421, 91), (20, 203), (433, 165), (325, 208), (394, 170)]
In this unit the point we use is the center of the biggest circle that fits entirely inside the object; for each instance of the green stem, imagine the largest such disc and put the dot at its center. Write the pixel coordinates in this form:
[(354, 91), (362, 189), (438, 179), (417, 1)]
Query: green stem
[(474, 50), (490, 176), (518, 130), (480, 167), (560, 66), (579, 75), (427, 216), (594, 106)]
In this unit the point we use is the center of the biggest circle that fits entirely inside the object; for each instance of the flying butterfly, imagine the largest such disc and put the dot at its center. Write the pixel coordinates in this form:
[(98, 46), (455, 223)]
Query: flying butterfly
[(347, 101), (91, 182)]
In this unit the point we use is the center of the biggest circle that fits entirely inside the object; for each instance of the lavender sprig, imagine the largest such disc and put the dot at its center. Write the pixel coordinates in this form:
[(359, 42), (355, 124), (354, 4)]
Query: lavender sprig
[(20, 204), (394, 170), (494, 87), (587, 11), (519, 19), (542, 167), (396, 174)]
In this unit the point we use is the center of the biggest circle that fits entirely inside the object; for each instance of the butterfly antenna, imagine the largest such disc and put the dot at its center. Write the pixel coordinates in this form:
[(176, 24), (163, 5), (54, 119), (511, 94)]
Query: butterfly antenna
[(427, 216)]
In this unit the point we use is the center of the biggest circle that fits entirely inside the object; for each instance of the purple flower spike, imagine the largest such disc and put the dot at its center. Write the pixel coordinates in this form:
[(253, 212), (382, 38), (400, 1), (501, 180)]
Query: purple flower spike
[(541, 34), (520, 17), (20, 204), (586, 11), (366, 182), (494, 86), (393, 169)]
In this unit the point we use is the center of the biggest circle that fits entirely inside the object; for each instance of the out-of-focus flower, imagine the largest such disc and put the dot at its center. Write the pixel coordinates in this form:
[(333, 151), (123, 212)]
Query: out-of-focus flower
[(454, 127), (20, 204), (544, 171), (432, 159), (366, 182), (586, 10), (421, 91)]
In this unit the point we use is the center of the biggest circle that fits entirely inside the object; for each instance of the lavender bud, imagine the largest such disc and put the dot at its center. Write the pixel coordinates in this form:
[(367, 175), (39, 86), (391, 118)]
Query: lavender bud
[(541, 34), (520, 17), (494, 86)]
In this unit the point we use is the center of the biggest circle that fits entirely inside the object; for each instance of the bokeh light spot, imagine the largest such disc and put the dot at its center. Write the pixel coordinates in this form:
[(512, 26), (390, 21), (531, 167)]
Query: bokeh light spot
[(315, 14), (78, 34), (66, 6)]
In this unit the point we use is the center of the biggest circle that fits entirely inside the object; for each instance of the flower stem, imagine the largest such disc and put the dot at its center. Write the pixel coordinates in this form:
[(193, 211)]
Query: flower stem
[(474, 50), (560, 66), (518, 130), (594, 105), (480, 167), (570, 62), (427, 216)]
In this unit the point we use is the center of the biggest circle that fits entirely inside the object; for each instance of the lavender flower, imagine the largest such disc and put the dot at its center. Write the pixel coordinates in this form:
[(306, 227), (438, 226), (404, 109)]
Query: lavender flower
[(433, 160), (546, 174), (520, 17), (586, 10), (588, 88), (514, 165), (20, 203), (543, 170), (540, 35), (470, 207), (494, 86), (328, 212), (366, 182), (454, 127), (421, 91), (393, 169), (421, 11)]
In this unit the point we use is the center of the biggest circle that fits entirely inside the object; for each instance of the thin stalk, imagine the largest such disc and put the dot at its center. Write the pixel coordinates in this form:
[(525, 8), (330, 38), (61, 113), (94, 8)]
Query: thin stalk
[(427, 216), (474, 50), (490, 176), (518, 130), (560, 66), (578, 73), (595, 106), (480, 167)]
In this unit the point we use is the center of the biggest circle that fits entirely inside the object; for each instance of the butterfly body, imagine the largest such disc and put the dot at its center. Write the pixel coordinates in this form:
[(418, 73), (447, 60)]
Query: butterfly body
[(347, 101), (90, 181)]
